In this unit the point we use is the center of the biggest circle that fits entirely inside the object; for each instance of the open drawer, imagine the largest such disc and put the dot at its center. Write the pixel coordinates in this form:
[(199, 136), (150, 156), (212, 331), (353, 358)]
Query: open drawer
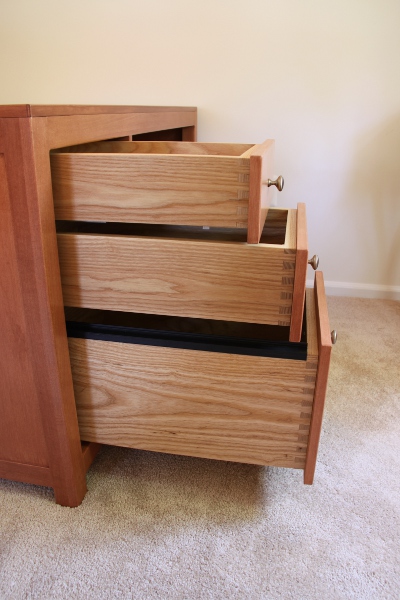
[(187, 271), (177, 183), (227, 391)]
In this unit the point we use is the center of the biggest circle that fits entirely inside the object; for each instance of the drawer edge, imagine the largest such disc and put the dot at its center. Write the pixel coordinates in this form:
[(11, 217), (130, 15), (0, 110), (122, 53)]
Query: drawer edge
[(324, 351)]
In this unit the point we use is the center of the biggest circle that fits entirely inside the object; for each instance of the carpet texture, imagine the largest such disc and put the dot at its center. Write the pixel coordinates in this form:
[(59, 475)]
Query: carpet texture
[(156, 526)]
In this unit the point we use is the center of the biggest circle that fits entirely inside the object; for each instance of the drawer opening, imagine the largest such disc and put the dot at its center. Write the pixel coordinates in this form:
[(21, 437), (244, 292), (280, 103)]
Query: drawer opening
[(274, 231), (209, 335), (158, 147)]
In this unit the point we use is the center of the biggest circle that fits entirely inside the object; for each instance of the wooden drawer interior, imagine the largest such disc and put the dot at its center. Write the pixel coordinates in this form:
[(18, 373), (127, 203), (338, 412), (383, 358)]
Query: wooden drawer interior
[(232, 337), (178, 183)]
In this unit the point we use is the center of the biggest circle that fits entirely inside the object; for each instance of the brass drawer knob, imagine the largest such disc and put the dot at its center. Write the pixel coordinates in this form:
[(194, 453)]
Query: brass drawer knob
[(334, 336), (314, 262), (278, 183)]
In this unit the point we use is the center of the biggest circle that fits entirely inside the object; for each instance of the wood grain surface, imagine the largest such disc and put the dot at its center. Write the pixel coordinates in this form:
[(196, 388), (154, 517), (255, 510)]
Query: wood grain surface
[(214, 185), (300, 274), (89, 453), (227, 407), (21, 429), (262, 165), (324, 349), (46, 110), (15, 111), (223, 406), (40, 396), (79, 129), (176, 189), (26, 473), (191, 278), (157, 147)]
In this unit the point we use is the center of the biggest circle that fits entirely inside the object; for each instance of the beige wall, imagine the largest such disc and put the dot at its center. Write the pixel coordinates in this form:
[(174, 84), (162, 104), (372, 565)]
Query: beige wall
[(322, 77)]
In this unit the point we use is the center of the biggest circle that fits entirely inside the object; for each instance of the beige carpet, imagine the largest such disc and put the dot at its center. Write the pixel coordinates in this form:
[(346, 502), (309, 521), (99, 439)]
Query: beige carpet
[(156, 526)]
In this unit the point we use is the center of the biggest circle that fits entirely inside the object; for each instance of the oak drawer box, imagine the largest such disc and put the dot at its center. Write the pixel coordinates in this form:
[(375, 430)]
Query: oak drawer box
[(214, 390), (178, 183), (188, 272)]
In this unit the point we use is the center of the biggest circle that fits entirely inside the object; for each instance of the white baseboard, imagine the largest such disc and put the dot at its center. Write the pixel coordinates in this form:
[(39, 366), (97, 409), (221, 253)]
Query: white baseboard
[(360, 290)]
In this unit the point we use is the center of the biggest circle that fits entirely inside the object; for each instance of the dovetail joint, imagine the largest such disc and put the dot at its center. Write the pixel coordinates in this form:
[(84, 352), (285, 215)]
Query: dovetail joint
[(286, 295), (288, 266), (287, 280)]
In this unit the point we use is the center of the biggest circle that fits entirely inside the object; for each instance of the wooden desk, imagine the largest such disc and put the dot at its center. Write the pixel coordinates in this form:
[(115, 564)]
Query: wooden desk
[(274, 415)]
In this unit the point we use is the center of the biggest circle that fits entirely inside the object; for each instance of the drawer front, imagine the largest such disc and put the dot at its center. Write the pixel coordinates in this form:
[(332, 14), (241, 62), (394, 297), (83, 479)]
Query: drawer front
[(180, 183), (189, 278), (223, 406)]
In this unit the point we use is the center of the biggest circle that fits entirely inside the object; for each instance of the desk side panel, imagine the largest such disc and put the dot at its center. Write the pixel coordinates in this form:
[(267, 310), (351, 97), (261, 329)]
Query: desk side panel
[(21, 431), (39, 401)]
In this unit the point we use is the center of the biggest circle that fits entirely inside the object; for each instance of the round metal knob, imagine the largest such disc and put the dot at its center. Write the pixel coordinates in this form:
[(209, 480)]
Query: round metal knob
[(314, 262), (334, 336), (278, 183)]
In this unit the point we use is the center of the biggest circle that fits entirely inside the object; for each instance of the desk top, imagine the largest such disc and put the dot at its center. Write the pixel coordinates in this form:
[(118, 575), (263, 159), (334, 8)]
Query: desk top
[(53, 110)]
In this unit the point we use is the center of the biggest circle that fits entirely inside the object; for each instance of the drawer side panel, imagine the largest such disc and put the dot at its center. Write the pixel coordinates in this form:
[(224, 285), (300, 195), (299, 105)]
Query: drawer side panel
[(155, 188), (239, 408), (236, 282)]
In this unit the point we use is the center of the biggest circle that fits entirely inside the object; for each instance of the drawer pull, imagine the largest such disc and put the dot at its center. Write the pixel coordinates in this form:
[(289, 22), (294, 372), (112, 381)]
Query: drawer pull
[(334, 336), (278, 183), (314, 262)]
